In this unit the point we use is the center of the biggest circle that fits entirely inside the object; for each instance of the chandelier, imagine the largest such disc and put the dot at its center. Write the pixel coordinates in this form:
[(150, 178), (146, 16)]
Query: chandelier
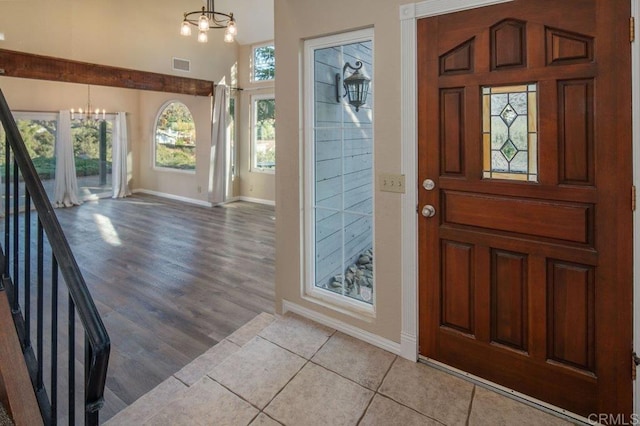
[(207, 19), (89, 113)]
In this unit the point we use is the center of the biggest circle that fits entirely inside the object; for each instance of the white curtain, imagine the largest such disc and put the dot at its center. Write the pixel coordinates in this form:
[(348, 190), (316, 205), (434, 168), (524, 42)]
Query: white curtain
[(220, 167), (119, 173), (66, 190)]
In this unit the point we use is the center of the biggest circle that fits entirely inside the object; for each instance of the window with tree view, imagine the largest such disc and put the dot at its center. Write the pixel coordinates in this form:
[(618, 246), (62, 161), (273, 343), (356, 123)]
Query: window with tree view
[(264, 63), (92, 142), (39, 134), (264, 133), (175, 138)]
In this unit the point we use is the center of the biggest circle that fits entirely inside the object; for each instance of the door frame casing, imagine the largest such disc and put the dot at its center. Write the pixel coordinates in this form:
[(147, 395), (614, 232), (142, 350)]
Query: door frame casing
[(409, 14), (635, 117)]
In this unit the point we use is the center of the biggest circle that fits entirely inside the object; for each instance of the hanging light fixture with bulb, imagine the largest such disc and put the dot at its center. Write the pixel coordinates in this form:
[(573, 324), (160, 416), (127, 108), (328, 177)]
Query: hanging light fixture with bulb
[(207, 19), (89, 113)]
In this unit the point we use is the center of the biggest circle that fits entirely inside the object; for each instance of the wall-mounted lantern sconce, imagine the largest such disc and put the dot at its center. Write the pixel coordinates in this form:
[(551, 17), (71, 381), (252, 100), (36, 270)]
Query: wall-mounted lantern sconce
[(356, 86)]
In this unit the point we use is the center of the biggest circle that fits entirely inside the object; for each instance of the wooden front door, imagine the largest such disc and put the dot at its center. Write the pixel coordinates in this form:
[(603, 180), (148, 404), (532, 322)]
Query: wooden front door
[(525, 261)]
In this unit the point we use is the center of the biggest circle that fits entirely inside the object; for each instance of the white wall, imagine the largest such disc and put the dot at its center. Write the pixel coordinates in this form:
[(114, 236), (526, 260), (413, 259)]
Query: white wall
[(296, 21)]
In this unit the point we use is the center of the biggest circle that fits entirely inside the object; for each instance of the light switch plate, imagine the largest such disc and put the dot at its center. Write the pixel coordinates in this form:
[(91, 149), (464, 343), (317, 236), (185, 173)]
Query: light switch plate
[(391, 183)]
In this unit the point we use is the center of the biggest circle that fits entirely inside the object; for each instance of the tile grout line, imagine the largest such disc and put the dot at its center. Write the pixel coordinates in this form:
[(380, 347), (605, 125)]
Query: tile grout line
[(181, 381), (174, 375), (364, 412), (375, 391), (398, 402), (473, 395), (266, 414), (236, 394), (307, 361), (254, 417), (386, 374), (261, 410), (285, 385)]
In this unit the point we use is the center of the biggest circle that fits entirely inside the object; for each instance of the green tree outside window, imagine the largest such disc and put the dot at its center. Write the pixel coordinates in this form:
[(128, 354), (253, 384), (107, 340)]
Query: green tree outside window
[(175, 138), (264, 63)]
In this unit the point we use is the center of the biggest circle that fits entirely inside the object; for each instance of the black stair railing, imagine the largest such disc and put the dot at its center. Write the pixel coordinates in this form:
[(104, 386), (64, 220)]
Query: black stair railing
[(39, 304)]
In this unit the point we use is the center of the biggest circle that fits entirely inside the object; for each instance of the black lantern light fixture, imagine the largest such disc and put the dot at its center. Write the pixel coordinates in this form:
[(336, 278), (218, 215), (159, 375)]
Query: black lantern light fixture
[(356, 86), (207, 19)]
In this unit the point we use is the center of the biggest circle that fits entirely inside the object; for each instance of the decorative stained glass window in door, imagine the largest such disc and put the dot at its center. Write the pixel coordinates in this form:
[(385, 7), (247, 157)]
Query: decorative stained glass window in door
[(510, 134)]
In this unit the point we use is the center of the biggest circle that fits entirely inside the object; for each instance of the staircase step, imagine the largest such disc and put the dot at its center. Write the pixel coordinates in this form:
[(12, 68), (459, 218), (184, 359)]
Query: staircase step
[(16, 392), (148, 405), (5, 420), (199, 367), (190, 378), (206, 402)]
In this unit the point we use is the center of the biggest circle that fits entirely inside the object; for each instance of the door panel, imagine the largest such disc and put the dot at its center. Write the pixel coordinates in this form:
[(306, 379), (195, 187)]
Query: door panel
[(526, 267)]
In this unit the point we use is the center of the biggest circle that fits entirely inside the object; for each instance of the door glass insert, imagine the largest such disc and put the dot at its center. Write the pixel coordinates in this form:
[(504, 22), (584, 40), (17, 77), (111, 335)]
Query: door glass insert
[(510, 137)]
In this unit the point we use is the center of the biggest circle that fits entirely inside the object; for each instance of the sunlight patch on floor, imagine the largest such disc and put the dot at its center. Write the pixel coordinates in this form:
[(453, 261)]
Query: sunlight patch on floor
[(107, 231)]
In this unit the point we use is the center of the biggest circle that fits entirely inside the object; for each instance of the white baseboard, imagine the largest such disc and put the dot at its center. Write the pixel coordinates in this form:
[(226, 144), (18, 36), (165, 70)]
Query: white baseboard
[(387, 345), (256, 200), (173, 197), (408, 347)]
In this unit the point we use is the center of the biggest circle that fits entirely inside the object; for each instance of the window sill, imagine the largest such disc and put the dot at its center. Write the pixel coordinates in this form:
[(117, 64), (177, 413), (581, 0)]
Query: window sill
[(264, 171), (341, 304), (171, 170)]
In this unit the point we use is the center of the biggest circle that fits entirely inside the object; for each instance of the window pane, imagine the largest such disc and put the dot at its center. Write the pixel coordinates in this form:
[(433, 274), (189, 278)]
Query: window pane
[(91, 139), (264, 134), (40, 139), (328, 248), (175, 138), (264, 63), (342, 177), (509, 124), (92, 150), (358, 266)]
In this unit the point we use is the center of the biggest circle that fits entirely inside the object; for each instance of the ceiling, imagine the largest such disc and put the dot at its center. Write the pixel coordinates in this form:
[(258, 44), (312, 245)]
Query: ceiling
[(254, 18)]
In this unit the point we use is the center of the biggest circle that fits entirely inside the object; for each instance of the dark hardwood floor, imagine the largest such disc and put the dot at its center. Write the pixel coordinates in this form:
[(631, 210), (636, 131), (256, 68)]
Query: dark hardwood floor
[(170, 280)]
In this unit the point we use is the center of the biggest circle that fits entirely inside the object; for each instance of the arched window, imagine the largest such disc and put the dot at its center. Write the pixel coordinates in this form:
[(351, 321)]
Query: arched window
[(175, 137)]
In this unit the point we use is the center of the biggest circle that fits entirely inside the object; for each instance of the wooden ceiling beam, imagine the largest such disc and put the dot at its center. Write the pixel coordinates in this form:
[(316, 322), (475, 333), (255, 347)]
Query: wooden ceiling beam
[(28, 65)]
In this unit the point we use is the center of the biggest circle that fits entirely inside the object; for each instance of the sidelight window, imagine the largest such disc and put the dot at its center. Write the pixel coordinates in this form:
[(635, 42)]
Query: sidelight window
[(339, 174)]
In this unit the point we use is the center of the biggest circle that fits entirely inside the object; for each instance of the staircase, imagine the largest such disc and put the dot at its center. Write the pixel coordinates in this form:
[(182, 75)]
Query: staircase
[(16, 393), (62, 347)]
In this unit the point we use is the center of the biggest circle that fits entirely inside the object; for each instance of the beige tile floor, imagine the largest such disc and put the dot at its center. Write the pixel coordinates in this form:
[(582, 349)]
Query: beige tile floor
[(292, 371)]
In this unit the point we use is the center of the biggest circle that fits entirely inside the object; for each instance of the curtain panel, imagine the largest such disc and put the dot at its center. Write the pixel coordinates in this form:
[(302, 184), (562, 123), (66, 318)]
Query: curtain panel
[(66, 183)]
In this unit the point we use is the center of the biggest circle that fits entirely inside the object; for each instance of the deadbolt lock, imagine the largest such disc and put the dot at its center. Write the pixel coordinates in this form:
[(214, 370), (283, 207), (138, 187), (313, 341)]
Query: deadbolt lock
[(428, 184)]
